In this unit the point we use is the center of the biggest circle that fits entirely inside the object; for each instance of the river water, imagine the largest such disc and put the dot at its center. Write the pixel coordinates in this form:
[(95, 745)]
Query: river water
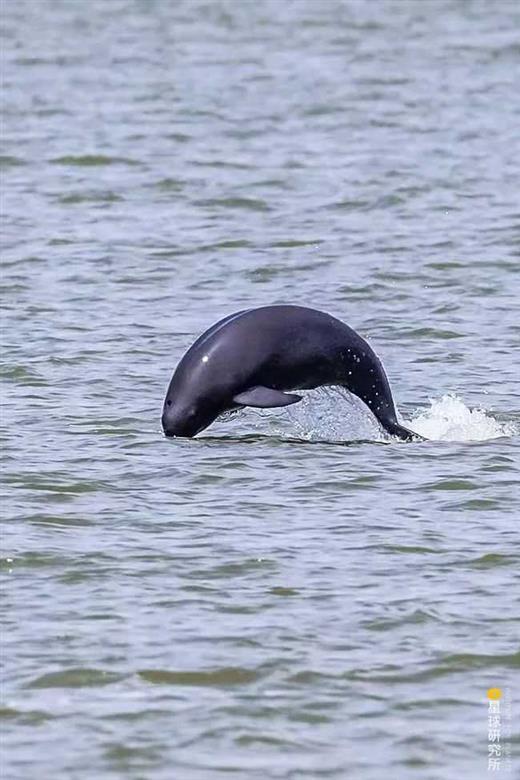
[(289, 595)]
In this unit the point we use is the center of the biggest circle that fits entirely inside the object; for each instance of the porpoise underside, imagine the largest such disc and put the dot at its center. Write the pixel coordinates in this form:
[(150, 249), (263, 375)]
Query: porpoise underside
[(258, 357)]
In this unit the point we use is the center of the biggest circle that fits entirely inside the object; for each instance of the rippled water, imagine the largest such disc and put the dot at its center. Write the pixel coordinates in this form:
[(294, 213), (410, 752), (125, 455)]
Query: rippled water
[(288, 595)]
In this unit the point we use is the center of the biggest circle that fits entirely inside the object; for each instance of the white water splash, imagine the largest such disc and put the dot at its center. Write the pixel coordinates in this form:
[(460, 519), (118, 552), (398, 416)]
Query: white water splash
[(329, 414), (326, 414), (449, 419), (333, 415)]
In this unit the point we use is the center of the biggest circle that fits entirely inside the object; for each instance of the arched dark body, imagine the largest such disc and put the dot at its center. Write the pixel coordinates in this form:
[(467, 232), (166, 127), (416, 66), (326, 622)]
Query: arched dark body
[(252, 357)]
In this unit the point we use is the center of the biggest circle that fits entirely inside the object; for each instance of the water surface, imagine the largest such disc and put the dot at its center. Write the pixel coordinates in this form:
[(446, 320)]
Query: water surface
[(290, 595)]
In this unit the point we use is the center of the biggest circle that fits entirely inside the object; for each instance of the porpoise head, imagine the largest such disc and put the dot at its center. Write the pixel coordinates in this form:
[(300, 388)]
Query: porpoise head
[(187, 416), (193, 400)]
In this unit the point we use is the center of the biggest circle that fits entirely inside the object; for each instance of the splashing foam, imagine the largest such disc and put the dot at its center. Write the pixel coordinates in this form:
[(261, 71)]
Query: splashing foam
[(328, 414), (449, 419), (325, 414)]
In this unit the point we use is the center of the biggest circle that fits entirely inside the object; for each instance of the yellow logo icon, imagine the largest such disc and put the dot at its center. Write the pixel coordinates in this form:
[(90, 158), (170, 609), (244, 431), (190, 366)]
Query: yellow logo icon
[(494, 693)]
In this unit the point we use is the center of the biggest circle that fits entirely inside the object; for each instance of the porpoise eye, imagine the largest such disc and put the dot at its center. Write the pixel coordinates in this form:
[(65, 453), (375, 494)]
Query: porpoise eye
[(168, 402)]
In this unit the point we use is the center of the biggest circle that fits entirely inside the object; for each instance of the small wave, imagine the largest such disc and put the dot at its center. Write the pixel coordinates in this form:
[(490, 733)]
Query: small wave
[(90, 160), (449, 419), (75, 678), (215, 677)]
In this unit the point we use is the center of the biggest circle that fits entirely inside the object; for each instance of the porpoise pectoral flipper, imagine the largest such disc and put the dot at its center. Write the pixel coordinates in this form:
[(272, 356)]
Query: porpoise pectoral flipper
[(265, 398)]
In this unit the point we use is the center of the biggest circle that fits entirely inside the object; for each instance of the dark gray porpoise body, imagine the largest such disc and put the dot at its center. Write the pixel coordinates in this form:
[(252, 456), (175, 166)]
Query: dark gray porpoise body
[(253, 357)]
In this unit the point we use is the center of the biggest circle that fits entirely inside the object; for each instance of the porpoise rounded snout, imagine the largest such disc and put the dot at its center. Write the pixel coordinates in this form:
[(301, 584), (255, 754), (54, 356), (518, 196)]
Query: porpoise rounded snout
[(179, 431), (184, 423), (173, 426)]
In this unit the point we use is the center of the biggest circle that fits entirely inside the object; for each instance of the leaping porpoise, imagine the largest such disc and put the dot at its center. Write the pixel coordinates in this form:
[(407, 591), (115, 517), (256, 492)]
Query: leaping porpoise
[(252, 357)]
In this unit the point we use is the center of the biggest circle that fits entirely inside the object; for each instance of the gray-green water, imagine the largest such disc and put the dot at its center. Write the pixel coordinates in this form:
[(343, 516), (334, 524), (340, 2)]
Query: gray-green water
[(274, 599)]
